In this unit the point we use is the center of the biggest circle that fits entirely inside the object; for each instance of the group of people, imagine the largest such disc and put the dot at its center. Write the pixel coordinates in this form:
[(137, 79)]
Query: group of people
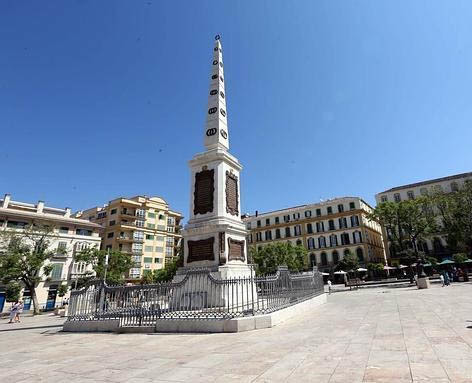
[(15, 311)]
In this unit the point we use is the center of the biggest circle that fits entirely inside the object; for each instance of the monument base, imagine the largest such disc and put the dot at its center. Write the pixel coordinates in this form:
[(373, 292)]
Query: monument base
[(423, 283)]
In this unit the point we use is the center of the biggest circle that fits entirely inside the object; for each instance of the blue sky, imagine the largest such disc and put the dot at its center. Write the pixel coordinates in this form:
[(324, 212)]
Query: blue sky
[(100, 99)]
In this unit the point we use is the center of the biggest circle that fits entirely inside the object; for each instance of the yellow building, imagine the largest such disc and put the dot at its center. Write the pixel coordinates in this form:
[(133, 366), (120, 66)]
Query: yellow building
[(329, 230), (144, 227)]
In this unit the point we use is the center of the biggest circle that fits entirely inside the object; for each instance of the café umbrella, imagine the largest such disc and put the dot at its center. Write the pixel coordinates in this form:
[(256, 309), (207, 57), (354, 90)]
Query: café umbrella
[(447, 262)]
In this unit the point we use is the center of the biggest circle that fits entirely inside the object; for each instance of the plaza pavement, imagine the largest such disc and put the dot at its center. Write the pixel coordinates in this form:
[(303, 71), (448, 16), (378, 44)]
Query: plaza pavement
[(372, 335)]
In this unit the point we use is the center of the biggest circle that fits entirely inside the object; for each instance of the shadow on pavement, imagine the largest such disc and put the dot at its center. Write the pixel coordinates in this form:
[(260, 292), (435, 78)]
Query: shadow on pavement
[(30, 328)]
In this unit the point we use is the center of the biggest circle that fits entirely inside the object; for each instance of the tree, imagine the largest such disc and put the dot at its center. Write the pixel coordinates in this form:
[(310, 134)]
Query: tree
[(406, 223), (62, 290), (455, 211), (165, 274), (25, 257), (12, 291), (269, 257), (349, 263), (118, 266), (459, 258)]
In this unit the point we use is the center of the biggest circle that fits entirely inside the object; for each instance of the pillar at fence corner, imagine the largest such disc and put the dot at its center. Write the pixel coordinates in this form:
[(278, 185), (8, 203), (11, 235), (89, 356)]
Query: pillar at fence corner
[(215, 236)]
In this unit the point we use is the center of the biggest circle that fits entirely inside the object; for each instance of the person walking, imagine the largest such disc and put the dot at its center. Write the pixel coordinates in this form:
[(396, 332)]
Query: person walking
[(441, 277), (446, 279), (329, 286), (14, 311), (19, 311)]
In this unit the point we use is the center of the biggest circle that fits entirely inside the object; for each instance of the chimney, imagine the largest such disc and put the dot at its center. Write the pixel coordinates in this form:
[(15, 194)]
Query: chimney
[(6, 200), (67, 213), (40, 207), (257, 213)]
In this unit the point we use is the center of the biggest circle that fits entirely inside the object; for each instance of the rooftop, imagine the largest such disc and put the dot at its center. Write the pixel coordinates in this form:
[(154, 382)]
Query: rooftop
[(429, 182)]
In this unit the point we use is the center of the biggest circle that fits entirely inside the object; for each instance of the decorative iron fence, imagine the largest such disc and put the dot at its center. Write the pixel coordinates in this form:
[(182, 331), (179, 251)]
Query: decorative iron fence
[(198, 295)]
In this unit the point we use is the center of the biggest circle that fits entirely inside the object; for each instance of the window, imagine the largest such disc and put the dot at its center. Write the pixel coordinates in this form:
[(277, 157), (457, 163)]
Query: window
[(312, 259), (151, 226), (102, 214), (345, 239), (16, 224), (311, 243), (360, 255), (159, 249), (383, 198), (250, 238), (61, 247), (296, 216), (113, 211), (171, 221), (342, 223), (333, 240), (277, 233), (318, 212), (424, 191), (297, 230), (309, 228), (357, 237), (141, 213), (308, 213), (162, 217), (354, 221), (259, 237), (340, 208), (248, 226), (267, 221), (396, 197), (56, 273), (147, 259), (151, 215), (149, 236), (324, 259), (347, 252), (454, 187), (410, 194), (157, 260), (277, 220), (286, 218), (335, 256), (319, 227), (83, 232), (321, 242), (138, 235), (331, 225), (259, 223), (64, 230), (148, 248), (139, 223), (287, 232), (268, 235), (110, 235), (170, 241), (352, 205), (330, 210)]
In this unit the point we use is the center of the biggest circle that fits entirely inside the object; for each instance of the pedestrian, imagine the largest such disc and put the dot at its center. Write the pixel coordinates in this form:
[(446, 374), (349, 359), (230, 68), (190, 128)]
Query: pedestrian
[(446, 279), (441, 277), (13, 311), (329, 286), (19, 311)]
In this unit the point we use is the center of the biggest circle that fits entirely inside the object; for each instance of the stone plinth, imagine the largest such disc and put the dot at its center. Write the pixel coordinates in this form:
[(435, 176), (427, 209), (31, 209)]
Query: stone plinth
[(423, 283)]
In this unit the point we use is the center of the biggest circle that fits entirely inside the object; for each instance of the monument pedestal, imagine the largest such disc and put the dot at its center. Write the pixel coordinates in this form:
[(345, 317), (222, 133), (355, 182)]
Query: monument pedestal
[(423, 283)]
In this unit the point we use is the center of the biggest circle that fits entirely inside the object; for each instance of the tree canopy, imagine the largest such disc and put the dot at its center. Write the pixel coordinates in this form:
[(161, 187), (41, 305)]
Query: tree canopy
[(272, 255)]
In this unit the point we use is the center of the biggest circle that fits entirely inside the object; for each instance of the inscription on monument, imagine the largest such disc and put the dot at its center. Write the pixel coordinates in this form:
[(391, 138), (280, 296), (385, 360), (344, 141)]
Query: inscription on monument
[(201, 250), (235, 250), (232, 194), (203, 194)]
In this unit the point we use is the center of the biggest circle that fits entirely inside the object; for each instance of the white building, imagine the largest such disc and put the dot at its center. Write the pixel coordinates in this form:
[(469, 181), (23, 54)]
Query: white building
[(70, 236), (435, 245), (328, 230)]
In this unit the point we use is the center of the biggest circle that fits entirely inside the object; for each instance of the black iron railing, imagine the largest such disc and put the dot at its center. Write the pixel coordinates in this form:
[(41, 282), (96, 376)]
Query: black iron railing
[(197, 295)]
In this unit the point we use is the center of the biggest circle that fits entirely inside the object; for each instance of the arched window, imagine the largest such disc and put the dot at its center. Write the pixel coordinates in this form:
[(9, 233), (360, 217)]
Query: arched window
[(312, 259), (335, 256), (437, 245), (331, 225), (333, 240), (324, 259), (321, 242), (345, 239), (311, 243), (299, 242), (347, 252), (357, 236), (360, 254)]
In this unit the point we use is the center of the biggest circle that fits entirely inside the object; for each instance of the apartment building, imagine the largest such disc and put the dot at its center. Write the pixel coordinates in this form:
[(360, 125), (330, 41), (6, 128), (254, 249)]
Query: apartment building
[(144, 227), (328, 230), (435, 245), (70, 235)]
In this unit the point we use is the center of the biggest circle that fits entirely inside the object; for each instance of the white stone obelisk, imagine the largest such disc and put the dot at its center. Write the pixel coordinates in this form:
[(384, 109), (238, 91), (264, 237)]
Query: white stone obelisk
[(215, 236)]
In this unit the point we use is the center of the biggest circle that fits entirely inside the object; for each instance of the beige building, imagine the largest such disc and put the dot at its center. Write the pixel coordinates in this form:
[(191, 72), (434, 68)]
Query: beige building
[(70, 235), (328, 230), (144, 227)]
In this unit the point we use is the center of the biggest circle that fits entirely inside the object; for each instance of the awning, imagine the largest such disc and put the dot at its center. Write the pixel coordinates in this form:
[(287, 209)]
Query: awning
[(447, 262), (361, 269), (389, 268), (340, 272)]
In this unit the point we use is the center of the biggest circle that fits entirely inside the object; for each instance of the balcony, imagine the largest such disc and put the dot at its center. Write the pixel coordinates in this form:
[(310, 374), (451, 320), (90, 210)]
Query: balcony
[(125, 238)]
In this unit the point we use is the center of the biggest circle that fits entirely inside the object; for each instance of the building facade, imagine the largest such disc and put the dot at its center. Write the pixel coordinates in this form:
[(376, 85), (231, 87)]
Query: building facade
[(143, 227), (435, 245), (70, 235), (328, 230)]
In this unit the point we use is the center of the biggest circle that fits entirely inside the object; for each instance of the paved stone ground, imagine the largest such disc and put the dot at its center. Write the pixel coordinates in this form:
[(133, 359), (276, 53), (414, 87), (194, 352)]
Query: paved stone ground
[(373, 335)]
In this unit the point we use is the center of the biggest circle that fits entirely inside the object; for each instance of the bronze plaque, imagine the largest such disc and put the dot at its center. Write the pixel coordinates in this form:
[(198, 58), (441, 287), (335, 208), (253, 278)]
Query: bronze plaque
[(201, 250), (235, 250), (203, 194), (232, 194)]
